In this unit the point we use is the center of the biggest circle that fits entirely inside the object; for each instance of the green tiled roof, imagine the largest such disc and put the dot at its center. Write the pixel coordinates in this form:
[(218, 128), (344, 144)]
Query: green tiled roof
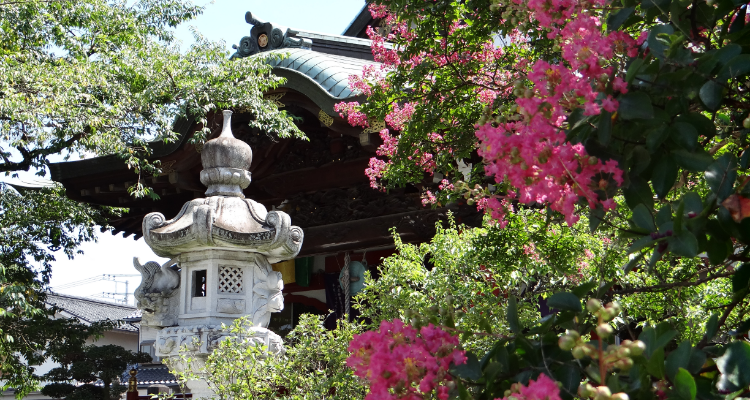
[(330, 72)]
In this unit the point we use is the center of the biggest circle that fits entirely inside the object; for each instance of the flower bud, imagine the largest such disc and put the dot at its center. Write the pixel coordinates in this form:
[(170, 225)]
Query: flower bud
[(625, 364), (602, 393), (614, 308), (637, 348), (579, 352), (620, 396), (566, 342), (623, 352), (746, 123), (593, 305), (604, 330)]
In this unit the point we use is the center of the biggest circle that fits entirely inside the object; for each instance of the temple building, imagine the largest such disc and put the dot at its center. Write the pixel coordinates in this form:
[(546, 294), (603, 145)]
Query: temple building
[(320, 184)]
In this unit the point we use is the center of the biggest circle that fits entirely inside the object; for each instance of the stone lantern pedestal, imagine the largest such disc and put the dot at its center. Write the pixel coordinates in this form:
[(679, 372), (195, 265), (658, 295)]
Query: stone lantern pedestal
[(221, 249)]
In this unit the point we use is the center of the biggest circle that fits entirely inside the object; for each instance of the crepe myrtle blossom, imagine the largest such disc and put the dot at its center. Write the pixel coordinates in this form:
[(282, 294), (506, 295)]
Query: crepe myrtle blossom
[(400, 362), (532, 153), (528, 151), (543, 388)]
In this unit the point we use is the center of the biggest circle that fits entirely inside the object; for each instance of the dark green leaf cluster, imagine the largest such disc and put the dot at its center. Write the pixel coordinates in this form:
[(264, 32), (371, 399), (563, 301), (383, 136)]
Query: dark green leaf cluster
[(33, 226), (88, 365)]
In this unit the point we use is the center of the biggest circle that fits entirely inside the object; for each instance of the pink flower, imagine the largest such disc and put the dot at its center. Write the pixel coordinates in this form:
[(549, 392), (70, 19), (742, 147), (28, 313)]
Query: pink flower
[(543, 388), (610, 104), (400, 363), (619, 85)]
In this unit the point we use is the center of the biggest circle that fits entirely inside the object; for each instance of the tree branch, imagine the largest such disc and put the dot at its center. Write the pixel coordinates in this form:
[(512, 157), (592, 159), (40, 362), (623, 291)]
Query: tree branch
[(666, 286), (30, 155)]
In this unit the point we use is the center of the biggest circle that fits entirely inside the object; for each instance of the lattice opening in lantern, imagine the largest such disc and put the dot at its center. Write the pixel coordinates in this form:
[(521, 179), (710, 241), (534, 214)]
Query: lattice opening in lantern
[(230, 279)]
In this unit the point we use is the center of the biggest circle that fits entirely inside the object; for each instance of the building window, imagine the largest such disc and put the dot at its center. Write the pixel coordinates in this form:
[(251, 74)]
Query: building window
[(199, 283)]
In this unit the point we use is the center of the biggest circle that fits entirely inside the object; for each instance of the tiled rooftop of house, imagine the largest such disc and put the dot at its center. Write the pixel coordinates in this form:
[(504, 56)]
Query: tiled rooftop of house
[(89, 310), (152, 374)]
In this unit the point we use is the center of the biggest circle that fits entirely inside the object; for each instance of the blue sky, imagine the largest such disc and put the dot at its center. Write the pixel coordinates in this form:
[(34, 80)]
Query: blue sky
[(222, 20), (225, 19)]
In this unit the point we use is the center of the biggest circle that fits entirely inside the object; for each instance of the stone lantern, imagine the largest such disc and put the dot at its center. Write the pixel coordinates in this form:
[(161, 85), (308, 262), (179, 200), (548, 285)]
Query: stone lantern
[(221, 249)]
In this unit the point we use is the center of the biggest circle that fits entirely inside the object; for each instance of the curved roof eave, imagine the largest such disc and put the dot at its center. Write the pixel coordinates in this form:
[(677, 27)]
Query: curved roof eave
[(324, 78)]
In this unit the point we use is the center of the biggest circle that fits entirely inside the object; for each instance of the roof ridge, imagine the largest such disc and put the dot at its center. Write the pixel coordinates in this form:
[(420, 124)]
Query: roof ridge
[(90, 300)]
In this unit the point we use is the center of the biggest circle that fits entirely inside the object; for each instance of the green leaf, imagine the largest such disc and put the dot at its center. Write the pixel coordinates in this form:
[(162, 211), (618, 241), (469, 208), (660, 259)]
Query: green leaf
[(664, 176), (656, 41), (471, 370), (463, 393), (664, 216), (638, 192), (700, 122), (683, 244), (678, 358), (596, 215), (743, 328), (656, 256), (583, 289), (640, 244), (655, 137), (721, 175), (711, 94), (734, 366), (604, 129), (564, 301), (684, 134), (615, 20), (655, 364), (697, 360), (717, 250), (684, 385), (641, 159), (569, 376), (643, 219), (693, 202), (737, 67), (664, 338), (634, 68), (512, 315), (710, 60), (633, 262), (741, 278), (635, 105)]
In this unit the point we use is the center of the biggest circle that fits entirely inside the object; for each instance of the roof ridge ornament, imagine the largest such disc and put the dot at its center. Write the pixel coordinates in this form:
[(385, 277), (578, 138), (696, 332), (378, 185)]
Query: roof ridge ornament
[(266, 36)]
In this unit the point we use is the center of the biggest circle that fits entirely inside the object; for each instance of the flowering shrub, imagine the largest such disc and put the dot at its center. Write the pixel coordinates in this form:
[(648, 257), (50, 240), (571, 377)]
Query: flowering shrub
[(634, 112), (402, 363)]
